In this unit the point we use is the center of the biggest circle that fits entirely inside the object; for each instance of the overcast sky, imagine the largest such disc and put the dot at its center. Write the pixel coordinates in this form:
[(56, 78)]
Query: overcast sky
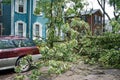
[(95, 5)]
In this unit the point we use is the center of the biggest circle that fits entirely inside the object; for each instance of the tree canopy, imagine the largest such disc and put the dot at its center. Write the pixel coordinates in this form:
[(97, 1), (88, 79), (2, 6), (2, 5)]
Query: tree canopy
[(54, 11), (114, 3)]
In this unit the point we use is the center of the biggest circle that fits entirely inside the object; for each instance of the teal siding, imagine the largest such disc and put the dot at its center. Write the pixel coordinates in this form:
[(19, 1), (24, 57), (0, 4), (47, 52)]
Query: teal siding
[(39, 19), (5, 19), (42, 21), (26, 18), (29, 18)]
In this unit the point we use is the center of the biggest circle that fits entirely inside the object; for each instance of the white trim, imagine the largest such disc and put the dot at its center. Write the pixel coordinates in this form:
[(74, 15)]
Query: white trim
[(40, 30), (56, 29), (29, 27), (61, 33), (95, 19), (24, 28), (24, 7), (16, 5), (12, 17)]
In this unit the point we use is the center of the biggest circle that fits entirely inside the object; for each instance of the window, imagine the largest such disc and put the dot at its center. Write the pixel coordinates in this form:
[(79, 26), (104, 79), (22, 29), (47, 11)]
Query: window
[(20, 6), (20, 28), (5, 44), (37, 30), (95, 19), (0, 8), (36, 9), (84, 18), (100, 19), (23, 43), (59, 32)]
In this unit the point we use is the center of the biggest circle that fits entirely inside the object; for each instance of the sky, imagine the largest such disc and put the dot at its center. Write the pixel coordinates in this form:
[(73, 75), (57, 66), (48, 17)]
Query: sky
[(95, 5)]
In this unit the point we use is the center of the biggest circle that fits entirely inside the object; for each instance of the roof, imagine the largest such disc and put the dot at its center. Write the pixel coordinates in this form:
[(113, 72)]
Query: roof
[(90, 12)]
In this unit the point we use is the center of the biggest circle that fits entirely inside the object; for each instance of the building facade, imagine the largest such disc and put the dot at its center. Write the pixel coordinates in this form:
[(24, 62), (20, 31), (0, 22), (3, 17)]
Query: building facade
[(95, 20), (19, 18)]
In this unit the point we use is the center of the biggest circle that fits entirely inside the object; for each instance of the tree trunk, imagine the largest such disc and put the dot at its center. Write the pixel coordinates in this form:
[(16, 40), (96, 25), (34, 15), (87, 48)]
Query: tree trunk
[(104, 9), (51, 25)]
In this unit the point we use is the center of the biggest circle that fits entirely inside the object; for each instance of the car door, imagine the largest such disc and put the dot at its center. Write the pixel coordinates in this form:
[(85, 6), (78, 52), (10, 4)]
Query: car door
[(6, 49)]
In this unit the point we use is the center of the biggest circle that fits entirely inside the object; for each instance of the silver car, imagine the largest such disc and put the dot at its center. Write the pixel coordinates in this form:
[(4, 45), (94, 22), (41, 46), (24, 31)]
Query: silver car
[(14, 49)]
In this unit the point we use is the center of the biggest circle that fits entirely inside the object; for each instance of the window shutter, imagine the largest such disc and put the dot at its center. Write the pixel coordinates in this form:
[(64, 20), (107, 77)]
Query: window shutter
[(24, 29), (16, 28), (56, 29), (16, 5), (40, 31), (25, 6), (61, 34), (34, 30)]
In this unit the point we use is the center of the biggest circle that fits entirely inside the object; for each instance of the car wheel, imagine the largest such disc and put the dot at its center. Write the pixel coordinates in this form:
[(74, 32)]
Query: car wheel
[(23, 64)]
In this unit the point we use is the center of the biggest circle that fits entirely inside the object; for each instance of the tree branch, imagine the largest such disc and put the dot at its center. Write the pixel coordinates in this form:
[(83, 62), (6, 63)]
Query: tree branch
[(116, 16), (104, 10), (114, 7)]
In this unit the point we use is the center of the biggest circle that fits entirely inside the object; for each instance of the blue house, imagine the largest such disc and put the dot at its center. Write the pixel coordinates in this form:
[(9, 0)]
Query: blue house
[(19, 18)]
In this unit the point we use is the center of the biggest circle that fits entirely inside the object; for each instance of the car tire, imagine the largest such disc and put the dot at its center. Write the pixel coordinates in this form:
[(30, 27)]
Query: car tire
[(23, 64)]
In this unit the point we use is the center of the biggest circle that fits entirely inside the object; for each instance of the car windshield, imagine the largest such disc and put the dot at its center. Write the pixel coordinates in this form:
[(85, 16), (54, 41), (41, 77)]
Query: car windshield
[(5, 44), (23, 43)]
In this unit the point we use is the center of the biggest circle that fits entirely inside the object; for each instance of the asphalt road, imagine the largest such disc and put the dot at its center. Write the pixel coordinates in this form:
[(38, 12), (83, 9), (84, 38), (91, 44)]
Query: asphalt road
[(5, 74), (78, 71)]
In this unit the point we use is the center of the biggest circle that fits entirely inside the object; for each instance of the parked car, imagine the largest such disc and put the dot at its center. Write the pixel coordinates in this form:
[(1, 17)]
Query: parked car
[(13, 49)]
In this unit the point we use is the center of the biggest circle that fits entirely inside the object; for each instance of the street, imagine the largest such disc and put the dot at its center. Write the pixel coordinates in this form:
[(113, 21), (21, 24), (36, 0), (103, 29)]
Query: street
[(79, 71), (5, 74)]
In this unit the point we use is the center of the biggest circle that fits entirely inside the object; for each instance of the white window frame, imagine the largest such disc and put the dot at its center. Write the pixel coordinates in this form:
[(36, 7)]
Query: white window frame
[(1, 29), (20, 29), (40, 31), (100, 19), (24, 28), (96, 19), (61, 33), (24, 6), (1, 9), (34, 6)]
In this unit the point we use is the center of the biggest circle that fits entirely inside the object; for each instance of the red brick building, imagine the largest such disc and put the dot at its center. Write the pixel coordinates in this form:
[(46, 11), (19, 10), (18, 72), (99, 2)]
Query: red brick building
[(94, 19)]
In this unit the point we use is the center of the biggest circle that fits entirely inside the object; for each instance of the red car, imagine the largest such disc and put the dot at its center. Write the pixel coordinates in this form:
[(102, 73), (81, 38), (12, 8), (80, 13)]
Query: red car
[(13, 49)]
